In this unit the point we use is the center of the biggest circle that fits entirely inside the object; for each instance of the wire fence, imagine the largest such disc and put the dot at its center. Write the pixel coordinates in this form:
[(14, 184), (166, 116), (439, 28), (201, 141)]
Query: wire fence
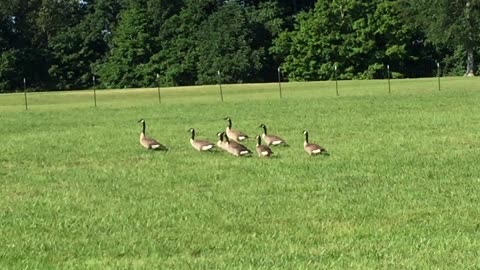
[(99, 97)]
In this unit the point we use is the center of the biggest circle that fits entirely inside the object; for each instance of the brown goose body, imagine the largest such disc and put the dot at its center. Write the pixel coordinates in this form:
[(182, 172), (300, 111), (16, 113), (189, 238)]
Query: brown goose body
[(271, 139), (311, 148), (200, 145), (233, 134), (147, 142), (221, 143), (235, 148), (262, 150)]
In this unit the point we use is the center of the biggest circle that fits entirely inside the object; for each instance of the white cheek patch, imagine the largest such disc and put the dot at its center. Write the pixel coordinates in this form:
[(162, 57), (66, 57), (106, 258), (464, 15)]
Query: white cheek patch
[(316, 151), (276, 142), (207, 147)]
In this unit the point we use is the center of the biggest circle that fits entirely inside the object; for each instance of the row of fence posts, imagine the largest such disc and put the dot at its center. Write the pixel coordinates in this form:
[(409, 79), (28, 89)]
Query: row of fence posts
[(219, 74)]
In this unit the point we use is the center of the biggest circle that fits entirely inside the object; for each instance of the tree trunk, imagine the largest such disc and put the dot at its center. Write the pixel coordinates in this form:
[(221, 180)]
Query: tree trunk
[(470, 63)]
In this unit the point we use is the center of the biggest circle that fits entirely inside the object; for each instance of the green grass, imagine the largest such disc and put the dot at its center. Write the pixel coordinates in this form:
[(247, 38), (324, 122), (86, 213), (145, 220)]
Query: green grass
[(401, 188), (232, 93)]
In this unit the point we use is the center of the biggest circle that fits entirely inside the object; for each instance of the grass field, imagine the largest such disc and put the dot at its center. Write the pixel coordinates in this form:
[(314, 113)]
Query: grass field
[(401, 188)]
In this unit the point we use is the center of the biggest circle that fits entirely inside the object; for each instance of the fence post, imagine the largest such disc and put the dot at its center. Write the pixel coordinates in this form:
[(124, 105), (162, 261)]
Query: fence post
[(220, 84), (438, 75), (25, 93), (336, 80), (388, 77), (279, 81), (94, 91), (158, 89)]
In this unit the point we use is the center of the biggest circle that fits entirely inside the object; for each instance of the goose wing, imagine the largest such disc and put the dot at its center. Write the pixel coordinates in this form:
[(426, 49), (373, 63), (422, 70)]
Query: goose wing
[(273, 140), (151, 143), (236, 134), (203, 145), (314, 148), (264, 150)]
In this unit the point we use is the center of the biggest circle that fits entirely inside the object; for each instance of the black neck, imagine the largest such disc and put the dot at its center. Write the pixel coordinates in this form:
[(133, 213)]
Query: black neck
[(221, 137), (193, 134), (259, 140), (306, 137), (143, 129), (226, 138), (229, 123), (265, 130)]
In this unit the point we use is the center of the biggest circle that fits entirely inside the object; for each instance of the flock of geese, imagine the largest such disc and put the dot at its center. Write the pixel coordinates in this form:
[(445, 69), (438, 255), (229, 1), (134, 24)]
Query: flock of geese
[(230, 141)]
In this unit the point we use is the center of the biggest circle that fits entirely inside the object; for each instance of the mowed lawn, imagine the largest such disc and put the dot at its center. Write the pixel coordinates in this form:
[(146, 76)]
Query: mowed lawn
[(400, 189)]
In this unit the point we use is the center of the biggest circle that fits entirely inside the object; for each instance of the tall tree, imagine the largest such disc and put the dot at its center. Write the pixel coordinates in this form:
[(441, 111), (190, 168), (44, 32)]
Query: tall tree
[(225, 43), (130, 50), (267, 21), (61, 44), (23, 51), (446, 22), (360, 36), (177, 58), (9, 55), (78, 48), (165, 20)]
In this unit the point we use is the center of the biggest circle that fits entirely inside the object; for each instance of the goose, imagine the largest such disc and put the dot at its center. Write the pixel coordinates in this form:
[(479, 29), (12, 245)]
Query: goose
[(200, 145), (311, 148), (235, 135), (262, 150), (148, 142), (271, 139), (220, 143), (235, 148), (226, 141)]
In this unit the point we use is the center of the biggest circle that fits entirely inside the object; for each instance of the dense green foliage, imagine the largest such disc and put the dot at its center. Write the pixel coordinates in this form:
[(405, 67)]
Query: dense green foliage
[(449, 22), (340, 33), (62, 44), (400, 190)]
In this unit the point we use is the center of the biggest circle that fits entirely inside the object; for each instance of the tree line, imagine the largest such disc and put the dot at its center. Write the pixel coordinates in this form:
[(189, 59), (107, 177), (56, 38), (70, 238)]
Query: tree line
[(62, 44)]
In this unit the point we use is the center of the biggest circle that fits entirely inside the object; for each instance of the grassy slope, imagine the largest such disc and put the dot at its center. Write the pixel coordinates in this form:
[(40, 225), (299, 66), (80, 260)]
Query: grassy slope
[(400, 190)]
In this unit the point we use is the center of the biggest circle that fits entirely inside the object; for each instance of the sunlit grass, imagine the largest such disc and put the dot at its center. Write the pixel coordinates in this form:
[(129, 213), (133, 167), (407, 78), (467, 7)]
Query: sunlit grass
[(232, 93), (401, 188)]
